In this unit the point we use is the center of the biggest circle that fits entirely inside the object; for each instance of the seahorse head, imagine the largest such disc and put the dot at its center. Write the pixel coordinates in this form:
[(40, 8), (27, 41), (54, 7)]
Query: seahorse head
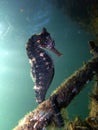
[(46, 41)]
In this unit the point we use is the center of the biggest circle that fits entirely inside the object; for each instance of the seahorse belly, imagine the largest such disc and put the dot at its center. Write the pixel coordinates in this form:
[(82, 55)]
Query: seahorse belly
[(42, 70)]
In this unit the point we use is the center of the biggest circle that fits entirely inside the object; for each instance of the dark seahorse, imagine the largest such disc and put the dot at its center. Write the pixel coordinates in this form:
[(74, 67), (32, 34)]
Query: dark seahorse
[(42, 68)]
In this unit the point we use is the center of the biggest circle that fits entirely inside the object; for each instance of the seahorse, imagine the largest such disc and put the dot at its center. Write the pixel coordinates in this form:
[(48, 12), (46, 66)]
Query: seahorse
[(42, 67)]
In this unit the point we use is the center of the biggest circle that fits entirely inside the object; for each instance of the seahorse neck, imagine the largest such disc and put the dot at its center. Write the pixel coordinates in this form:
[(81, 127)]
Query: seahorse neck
[(38, 49), (33, 48)]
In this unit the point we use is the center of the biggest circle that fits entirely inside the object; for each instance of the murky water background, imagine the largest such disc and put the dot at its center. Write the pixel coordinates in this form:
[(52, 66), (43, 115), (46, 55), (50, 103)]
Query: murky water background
[(18, 21)]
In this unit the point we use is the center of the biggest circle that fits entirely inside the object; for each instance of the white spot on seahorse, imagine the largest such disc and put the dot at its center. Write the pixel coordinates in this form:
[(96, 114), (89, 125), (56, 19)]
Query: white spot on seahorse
[(36, 66), (44, 58), (46, 63), (31, 61), (37, 87), (40, 83), (41, 54), (48, 68), (40, 77)]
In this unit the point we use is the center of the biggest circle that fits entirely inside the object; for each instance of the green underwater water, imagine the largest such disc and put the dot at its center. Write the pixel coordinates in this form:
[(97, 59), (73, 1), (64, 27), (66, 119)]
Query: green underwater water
[(18, 21)]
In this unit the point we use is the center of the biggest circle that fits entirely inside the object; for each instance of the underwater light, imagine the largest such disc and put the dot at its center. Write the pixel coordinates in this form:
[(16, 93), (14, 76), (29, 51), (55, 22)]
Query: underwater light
[(1, 29), (4, 29)]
